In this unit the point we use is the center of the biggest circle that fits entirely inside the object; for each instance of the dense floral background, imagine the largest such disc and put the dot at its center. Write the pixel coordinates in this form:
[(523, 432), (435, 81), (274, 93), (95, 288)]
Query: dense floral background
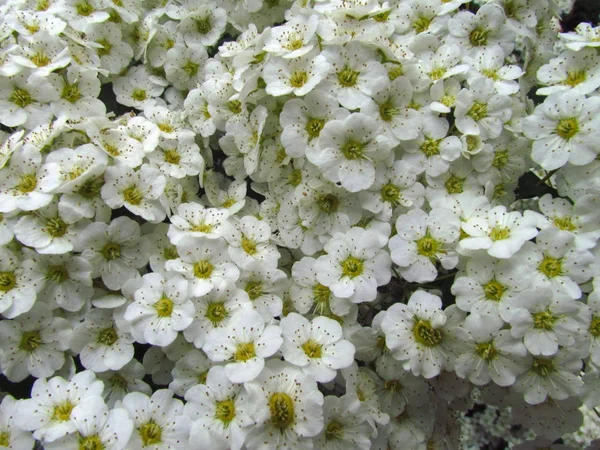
[(276, 224)]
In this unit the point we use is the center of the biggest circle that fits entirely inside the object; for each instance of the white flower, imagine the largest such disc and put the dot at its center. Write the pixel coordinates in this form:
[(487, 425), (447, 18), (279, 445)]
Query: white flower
[(348, 150), (422, 335), (298, 76), (96, 427), (295, 38), (219, 412), (575, 71), (137, 88), (493, 354), (18, 293), (114, 52), (585, 35), (265, 287), (316, 346), (492, 288), (490, 62), (247, 136), (355, 265), (499, 232), (421, 240), (556, 377), (158, 421), (564, 129), (345, 425), (303, 119), (178, 158), (183, 65), (214, 310), (193, 219), (547, 321), (243, 344), (310, 296), (33, 344), (113, 250), (28, 184), (191, 369), (203, 25), (354, 73), (161, 309), (286, 406), (250, 240), (82, 15), (100, 343), (48, 413), (202, 262), (137, 191), (482, 111), (11, 436), (433, 150)]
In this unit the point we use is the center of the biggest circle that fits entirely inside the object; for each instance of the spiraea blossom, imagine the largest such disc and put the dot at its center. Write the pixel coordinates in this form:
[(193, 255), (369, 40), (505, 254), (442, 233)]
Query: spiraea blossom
[(299, 225)]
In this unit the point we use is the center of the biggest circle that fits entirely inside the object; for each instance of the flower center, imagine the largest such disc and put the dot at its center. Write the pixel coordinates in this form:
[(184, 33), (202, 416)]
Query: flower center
[(245, 351), (112, 150), (62, 412), (139, 95), (544, 320), (294, 44), (216, 313), (164, 307), (150, 433), (111, 251), (314, 127), (575, 77), (91, 187), (202, 227), (91, 443), (567, 128), (27, 184), (479, 37), (430, 147), (30, 340), (71, 92), (428, 246), (4, 439), (393, 386), (7, 281), (312, 349), (595, 326), (437, 73), (172, 156), (422, 23), (564, 223), (478, 111), (499, 233), (203, 269), (551, 267), (347, 77), (84, 9), (395, 72), (282, 411), (448, 100), (20, 97), (248, 245), (56, 227), (298, 79), (353, 150), (40, 60), (133, 195), (170, 252), (387, 111), (235, 106), (390, 193), (191, 68), (118, 382), (106, 47), (486, 351), (334, 430), (425, 334), (492, 74), (542, 367), (352, 267), (254, 289), (107, 336), (165, 127), (454, 184), (493, 290), (225, 410), (328, 203), (204, 25)]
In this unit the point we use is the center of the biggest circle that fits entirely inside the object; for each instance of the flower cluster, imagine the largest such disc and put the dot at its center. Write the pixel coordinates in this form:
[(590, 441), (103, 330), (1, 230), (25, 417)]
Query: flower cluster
[(277, 224)]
